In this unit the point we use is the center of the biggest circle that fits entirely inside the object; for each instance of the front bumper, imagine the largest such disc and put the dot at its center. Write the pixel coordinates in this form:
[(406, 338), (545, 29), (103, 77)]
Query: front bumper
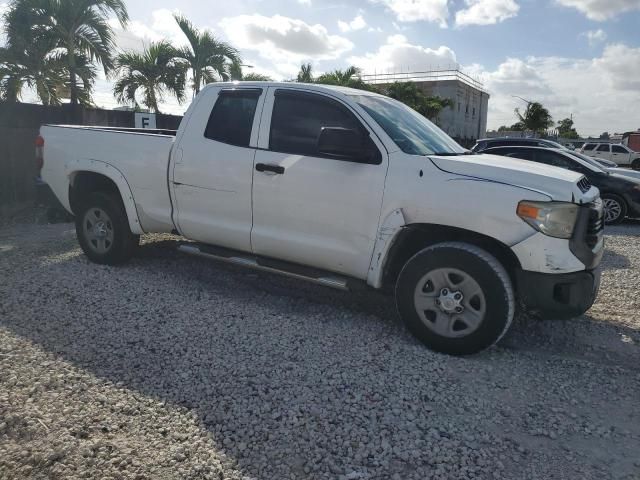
[(558, 295)]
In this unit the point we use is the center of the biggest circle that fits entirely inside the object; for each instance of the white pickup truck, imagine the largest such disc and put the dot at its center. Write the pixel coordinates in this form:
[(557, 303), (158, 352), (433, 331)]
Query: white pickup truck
[(620, 154), (341, 187)]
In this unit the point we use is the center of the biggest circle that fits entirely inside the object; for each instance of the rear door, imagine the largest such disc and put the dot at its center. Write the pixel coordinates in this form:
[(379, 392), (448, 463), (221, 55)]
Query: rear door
[(213, 168), (310, 208), (603, 151)]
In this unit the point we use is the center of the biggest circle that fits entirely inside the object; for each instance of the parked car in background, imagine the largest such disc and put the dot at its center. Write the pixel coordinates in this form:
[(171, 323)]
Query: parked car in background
[(486, 143), (620, 154), (610, 167), (343, 188), (620, 195)]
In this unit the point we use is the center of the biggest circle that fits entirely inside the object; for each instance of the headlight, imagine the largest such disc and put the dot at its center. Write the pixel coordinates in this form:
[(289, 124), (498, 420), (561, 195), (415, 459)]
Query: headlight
[(556, 219)]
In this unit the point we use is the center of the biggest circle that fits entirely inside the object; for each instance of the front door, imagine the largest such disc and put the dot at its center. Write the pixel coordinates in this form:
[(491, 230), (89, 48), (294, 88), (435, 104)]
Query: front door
[(311, 208), (213, 167), (620, 155)]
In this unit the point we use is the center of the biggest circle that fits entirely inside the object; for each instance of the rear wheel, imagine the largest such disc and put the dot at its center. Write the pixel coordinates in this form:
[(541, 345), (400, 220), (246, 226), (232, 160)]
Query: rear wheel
[(615, 208), (103, 230), (456, 298)]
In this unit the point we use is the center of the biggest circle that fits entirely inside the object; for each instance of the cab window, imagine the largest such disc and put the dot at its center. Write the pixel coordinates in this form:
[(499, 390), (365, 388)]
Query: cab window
[(618, 149), (231, 119), (299, 117)]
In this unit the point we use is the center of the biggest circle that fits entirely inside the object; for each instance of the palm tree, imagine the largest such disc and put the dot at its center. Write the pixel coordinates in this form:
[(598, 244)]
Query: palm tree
[(209, 59), (40, 66), (351, 77), (536, 117), (256, 77), (410, 94), (305, 75), (78, 28), (158, 69)]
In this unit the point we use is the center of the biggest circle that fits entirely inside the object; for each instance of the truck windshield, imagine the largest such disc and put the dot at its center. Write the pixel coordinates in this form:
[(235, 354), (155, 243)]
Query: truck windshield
[(412, 132)]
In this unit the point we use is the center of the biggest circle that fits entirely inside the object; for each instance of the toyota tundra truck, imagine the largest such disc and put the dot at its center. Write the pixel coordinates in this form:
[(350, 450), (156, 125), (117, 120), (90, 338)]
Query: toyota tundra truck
[(344, 188)]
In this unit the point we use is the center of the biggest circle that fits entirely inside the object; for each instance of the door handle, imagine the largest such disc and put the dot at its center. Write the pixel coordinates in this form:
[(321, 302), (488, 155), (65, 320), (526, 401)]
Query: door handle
[(264, 167)]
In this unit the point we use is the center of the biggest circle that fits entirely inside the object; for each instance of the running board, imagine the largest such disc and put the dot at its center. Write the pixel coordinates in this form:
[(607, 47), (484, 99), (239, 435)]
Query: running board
[(266, 265)]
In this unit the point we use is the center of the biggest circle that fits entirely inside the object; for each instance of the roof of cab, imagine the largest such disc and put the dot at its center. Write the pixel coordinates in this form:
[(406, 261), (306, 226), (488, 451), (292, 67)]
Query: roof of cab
[(303, 86)]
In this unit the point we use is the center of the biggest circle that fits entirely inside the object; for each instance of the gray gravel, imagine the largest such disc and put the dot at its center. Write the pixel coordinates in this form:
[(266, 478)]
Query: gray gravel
[(173, 367)]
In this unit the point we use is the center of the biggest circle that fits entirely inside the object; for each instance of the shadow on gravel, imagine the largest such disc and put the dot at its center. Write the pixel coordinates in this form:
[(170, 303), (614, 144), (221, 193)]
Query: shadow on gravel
[(615, 261), (269, 364)]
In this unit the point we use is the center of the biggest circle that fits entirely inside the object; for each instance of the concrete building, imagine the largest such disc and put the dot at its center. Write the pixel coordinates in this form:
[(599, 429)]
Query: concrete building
[(467, 120)]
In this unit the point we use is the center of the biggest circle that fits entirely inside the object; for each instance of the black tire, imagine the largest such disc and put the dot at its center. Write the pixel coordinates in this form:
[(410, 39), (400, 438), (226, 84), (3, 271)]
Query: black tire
[(636, 164), (489, 275), (122, 244), (610, 199)]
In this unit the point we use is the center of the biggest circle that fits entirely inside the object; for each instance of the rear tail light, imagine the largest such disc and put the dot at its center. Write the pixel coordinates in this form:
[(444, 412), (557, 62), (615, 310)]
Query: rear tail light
[(39, 152)]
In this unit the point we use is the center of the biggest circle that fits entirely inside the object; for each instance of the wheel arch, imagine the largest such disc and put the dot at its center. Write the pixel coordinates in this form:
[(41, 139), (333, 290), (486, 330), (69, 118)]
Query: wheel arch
[(413, 238), (100, 177)]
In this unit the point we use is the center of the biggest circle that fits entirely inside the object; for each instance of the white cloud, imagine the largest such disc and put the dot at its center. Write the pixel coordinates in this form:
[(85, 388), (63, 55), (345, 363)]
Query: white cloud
[(486, 12), (398, 54), (601, 93), (436, 11), (595, 36), (621, 65), (138, 33), (280, 38), (601, 10), (515, 76), (357, 23), (305, 2)]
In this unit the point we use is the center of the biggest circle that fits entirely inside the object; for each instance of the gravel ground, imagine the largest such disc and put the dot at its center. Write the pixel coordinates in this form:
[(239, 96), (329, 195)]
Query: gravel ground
[(174, 367)]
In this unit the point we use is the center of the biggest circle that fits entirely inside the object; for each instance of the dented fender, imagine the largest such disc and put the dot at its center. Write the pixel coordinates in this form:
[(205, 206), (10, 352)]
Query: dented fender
[(387, 233), (544, 254)]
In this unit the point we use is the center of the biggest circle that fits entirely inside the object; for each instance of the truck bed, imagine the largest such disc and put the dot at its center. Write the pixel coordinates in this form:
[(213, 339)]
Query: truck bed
[(139, 156), (145, 131)]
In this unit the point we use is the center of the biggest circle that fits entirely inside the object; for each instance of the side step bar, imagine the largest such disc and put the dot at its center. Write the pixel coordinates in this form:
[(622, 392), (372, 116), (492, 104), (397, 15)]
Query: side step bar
[(266, 265)]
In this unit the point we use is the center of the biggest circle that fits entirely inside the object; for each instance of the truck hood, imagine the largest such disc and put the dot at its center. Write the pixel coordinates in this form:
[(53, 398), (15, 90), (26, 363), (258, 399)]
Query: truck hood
[(557, 183)]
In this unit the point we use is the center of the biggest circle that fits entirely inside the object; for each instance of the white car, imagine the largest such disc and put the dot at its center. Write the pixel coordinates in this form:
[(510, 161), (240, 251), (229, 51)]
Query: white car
[(620, 154), (341, 187)]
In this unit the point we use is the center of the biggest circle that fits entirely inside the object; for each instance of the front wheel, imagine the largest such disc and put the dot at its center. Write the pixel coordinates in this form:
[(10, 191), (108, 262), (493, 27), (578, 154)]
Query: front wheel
[(103, 230), (456, 298), (615, 209)]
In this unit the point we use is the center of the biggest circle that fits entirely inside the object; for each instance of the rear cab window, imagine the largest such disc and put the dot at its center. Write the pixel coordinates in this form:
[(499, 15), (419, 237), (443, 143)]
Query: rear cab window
[(589, 146), (603, 148), (232, 116)]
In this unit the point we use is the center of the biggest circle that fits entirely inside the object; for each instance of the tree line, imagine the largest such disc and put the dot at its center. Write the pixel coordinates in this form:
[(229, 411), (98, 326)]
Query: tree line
[(55, 48), (537, 119)]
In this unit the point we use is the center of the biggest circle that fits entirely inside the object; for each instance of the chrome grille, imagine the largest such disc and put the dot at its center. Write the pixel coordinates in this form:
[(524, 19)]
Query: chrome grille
[(584, 185)]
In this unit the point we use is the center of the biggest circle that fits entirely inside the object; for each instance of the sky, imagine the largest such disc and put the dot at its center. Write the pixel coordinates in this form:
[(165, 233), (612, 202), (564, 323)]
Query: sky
[(577, 57)]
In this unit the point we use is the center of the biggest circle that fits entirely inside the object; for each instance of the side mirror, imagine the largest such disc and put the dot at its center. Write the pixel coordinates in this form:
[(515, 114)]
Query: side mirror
[(346, 144)]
